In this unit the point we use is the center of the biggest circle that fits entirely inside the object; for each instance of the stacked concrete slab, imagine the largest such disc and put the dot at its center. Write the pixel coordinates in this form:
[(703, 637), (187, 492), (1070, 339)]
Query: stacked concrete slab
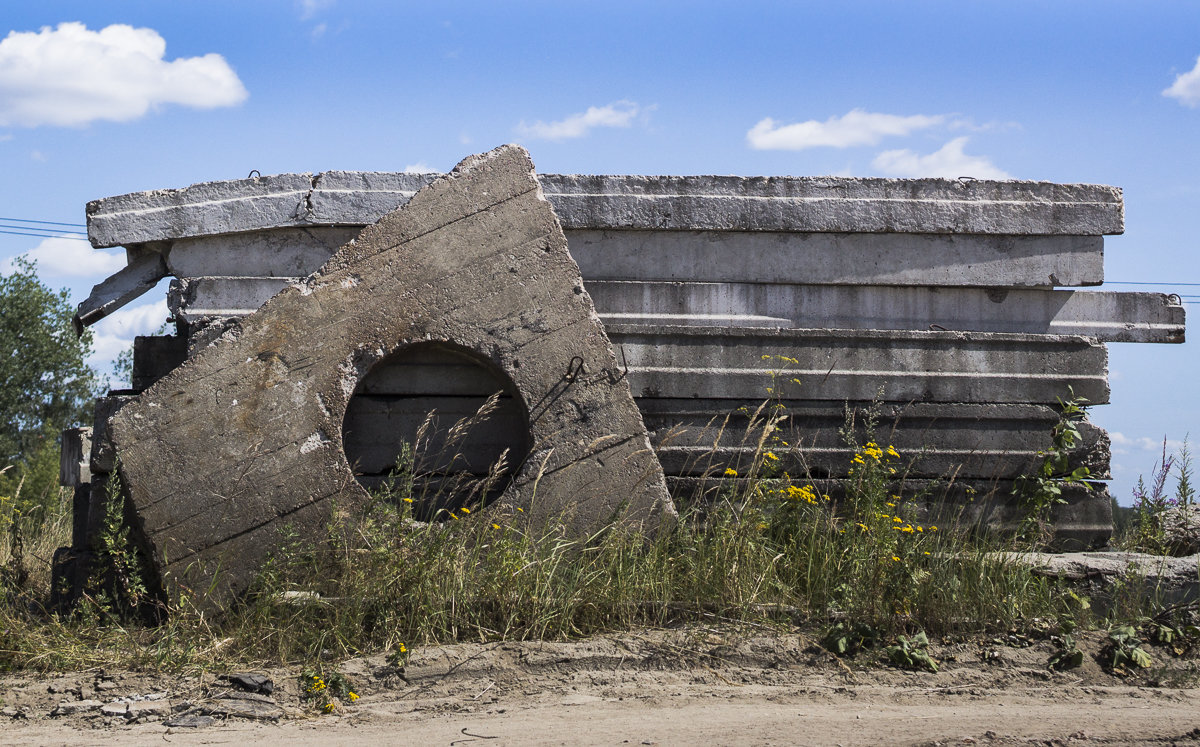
[(948, 303)]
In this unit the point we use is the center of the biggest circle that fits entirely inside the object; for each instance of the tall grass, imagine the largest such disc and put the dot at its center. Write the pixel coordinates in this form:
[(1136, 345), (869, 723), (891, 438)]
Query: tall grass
[(769, 549)]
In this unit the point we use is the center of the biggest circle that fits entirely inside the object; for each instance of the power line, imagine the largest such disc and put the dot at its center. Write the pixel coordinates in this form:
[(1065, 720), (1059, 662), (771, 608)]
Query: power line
[(46, 222), (44, 235)]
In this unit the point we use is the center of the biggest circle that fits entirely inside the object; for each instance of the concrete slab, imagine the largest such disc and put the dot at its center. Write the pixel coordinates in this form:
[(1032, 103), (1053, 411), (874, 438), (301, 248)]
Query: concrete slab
[(861, 365), (246, 437), (961, 441), (143, 272), (713, 256), (686, 203), (916, 258), (1105, 315)]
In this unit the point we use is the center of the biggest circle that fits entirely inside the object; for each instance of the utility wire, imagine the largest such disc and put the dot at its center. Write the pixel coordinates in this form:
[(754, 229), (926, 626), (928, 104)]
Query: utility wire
[(46, 222), (43, 235)]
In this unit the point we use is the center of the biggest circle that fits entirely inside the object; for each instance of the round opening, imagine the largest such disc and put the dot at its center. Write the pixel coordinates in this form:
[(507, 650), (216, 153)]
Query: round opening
[(436, 424)]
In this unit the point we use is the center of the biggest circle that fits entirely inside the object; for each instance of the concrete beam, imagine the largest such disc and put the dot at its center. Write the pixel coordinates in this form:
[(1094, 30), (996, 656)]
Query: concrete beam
[(839, 258), (1104, 315), (715, 256), (681, 203), (838, 365), (141, 274), (945, 441), (281, 252), (74, 461), (266, 401)]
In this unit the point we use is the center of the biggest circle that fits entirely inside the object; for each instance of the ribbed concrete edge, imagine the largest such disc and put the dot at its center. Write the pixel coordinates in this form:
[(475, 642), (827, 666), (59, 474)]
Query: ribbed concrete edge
[(723, 203)]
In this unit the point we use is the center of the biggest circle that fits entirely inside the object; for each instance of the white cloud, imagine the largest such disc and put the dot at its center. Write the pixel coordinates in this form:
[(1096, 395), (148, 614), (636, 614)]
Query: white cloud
[(420, 167), (857, 127), (319, 30), (616, 114), (1122, 444), (1186, 87), (949, 162), (309, 8), (114, 333), (70, 76), (66, 257)]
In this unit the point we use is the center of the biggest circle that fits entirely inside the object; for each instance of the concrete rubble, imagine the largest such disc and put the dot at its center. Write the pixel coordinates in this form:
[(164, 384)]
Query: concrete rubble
[(955, 306)]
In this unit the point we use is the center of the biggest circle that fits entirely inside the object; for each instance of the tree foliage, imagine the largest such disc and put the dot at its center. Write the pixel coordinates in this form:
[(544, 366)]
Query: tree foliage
[(45, 383)]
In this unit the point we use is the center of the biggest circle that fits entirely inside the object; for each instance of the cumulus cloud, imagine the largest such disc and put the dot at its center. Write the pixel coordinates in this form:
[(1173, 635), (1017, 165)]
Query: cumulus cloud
[(1122, 444), (420, 167), (1186, 87), (949, 162), (616, 114), (69, 76), (856, 127), (114, 333), (71, 257)]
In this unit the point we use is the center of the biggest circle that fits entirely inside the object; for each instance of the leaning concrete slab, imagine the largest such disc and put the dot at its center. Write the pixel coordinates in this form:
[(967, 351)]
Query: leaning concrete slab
[(247, 437)]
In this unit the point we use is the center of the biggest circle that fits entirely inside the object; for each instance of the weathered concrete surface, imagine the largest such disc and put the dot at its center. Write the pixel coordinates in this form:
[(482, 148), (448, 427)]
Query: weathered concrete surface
[(247, 436), (1171, 580), (712, 256), (74, 461), (924, 258), (1104, 315), (280, 253), (142, 273), (948, 441), (1107, 316), (688, 203), (861, 365), (1181, 528)]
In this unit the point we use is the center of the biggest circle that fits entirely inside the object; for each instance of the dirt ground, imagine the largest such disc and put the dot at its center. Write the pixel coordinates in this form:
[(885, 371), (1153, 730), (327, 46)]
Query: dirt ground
[(702, 685)]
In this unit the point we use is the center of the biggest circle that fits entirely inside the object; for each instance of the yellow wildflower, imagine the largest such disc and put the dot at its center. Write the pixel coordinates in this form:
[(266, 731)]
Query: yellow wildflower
[(771, 455), (408, 500), (896, 559), (353, 697), (465, 510), (730, 472), (495, 526)]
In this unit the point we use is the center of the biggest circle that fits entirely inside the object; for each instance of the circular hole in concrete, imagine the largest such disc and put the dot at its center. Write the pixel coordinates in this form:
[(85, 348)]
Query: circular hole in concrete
[(423, 424)]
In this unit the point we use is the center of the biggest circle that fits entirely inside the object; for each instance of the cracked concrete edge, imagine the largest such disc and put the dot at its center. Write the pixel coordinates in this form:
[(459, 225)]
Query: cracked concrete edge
[(723, 203)]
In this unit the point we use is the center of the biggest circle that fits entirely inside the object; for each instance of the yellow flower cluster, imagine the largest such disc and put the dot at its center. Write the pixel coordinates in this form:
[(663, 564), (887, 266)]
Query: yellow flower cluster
[(808, 494)]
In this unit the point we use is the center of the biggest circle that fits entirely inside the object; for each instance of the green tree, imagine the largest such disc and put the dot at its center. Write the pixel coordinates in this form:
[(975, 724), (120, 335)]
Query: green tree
[(45, 383)]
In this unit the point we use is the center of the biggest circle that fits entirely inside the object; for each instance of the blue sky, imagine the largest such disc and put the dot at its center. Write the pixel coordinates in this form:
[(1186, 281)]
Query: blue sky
[(1102, 92)]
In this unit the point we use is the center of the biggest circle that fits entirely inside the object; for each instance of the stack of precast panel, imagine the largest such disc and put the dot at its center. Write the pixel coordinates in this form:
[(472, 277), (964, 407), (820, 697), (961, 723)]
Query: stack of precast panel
[(943, 309)]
